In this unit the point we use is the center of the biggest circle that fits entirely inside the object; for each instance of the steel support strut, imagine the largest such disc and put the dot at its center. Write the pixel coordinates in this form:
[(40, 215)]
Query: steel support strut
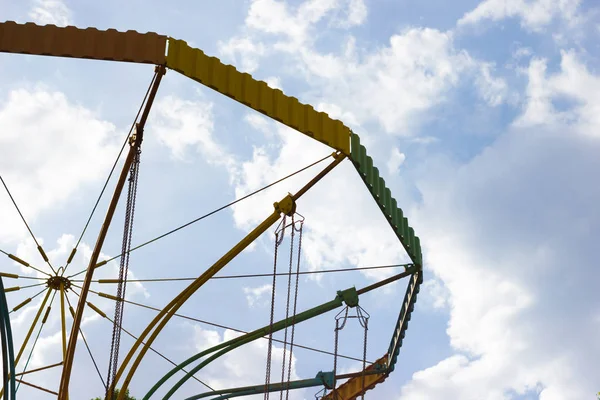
[(134, 146)]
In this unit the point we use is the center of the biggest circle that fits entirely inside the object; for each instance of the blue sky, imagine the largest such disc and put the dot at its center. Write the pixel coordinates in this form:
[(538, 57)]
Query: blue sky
[(481, 115)]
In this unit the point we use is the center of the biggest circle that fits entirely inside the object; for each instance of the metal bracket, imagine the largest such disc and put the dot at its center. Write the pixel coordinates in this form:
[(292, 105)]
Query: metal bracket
[(286, 206), (349, 296), (327, 378)]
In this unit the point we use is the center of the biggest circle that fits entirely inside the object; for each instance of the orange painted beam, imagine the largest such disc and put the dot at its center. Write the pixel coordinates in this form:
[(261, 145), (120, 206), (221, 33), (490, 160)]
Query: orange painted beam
[(91, 43), (353, 387)]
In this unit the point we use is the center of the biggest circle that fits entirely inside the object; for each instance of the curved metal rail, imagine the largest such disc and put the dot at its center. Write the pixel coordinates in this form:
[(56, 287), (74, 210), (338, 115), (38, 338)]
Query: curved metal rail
[(8, 355)]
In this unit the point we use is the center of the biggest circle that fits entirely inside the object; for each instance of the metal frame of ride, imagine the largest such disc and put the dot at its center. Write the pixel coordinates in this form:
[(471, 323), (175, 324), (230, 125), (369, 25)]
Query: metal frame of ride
[(168, 53)]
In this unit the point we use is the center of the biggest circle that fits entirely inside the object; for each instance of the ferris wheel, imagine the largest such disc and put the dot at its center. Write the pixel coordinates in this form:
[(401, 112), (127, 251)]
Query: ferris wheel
[(75, 291)]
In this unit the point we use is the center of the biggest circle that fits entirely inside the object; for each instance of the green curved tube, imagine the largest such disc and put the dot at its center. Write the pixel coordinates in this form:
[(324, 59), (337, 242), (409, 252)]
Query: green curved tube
[(349, 296), (205, 363), (9, 342), (322, 378)]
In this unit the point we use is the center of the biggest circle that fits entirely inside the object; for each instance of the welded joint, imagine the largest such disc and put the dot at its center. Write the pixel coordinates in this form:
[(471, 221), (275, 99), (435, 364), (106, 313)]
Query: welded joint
[(349, 296), (134, 135), (160, 69), (337, 155), (286, 206)]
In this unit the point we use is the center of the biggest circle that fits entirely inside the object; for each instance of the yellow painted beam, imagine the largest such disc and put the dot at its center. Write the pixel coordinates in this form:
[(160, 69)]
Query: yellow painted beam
[(242, 87), (150, 47)]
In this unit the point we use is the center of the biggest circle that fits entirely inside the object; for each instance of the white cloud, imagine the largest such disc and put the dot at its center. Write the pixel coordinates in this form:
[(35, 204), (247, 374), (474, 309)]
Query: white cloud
[(434, 294), (534, 15), (257, 294), (503, 324), (231, 370), (396, 84), (274, 82), (521, 52), (492, 89), (183, 124), (490, 239), (355, 13), (249, 51), (395, 161), (538, 107), (326, 242), (274, 17), (573, 84), (419, 64), (54, 12), (259, 122), (43, 158)]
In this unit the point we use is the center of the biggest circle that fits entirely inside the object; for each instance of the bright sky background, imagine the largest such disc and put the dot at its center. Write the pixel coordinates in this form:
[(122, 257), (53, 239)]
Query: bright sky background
[(483, 117)]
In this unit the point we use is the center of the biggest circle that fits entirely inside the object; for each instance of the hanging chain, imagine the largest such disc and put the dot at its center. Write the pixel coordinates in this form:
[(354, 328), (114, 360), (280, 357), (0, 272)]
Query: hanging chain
[(338, 328), (340, 322), (289, 373), (123, 270), (279, 235), (287, 306), (366, 326), (335, 353)]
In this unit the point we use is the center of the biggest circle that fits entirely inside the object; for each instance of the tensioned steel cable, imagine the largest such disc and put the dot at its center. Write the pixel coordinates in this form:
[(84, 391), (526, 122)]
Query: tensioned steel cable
[(27, 225), (36, 339), (12, 257), (31, 298), (227, 327), (210, 213), (29, 286), (32, 277), (152, 349), (86, 344), (111, 172), (253, 275)]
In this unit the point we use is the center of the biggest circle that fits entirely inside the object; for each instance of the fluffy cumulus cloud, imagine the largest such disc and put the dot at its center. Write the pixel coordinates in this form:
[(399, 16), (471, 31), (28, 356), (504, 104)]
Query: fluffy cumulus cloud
[(182, 125), (54, 12), (326, 242), (492, 225), (244, 366), (534, 15), (421, 64), (395, 160), (44, 159), (517, 321), (492, 89), (257, 295), (51, 149), (574, 86), (243, 52)]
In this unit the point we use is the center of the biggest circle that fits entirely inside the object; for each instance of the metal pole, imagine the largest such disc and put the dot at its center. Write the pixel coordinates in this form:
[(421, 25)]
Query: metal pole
[(66, 374)]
